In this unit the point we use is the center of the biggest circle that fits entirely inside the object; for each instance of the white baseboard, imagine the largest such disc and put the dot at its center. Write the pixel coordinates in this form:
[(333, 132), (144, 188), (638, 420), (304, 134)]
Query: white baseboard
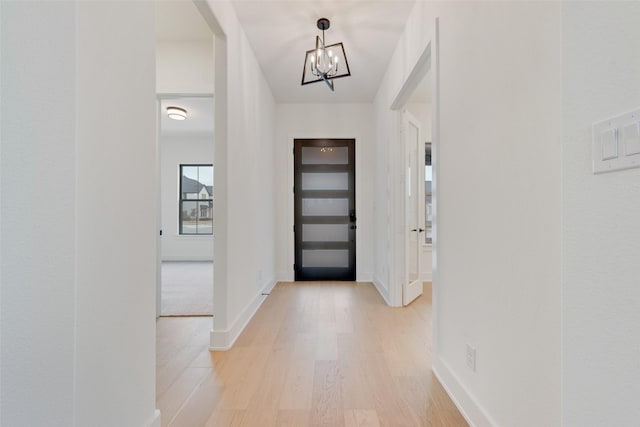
[(155, 420), (268, 287), (468, 406), (222, 340), (179, 258), (381, 290)]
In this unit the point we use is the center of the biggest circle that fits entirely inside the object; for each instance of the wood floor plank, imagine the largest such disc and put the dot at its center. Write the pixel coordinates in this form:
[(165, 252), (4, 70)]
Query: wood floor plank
[(293, 418), (197, 410), (176, 396), (327, 407), (353, 378), (263, 409), (241, 378), (361, 418), (225, 418), (392, 409), (327, 341), (171, 371), (315, 354), (298, 389)]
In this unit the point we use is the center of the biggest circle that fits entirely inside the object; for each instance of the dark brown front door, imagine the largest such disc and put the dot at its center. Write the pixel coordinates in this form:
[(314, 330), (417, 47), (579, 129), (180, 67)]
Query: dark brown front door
[(325, 209)]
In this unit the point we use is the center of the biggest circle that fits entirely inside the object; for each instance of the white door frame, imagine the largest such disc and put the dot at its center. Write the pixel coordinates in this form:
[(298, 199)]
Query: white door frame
[(399, 258), (218, 337)]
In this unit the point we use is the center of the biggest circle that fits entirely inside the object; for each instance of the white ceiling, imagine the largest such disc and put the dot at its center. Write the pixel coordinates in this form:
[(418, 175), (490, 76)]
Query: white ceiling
[(280, 33), (179, 20), (199, 116)]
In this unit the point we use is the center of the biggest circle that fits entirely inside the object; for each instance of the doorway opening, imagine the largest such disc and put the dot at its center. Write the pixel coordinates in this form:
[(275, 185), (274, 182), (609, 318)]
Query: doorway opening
[(186, 207), (415, 106), (185, 66), (325, 209)]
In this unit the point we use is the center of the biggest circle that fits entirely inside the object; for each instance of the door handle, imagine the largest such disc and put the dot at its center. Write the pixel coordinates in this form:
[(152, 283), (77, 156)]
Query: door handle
[(414, 229), (353, 227), (420, 230)]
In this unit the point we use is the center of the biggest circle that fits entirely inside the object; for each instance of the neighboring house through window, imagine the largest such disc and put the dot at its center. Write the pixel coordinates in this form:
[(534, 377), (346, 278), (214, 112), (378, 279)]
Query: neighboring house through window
[(196, 199)]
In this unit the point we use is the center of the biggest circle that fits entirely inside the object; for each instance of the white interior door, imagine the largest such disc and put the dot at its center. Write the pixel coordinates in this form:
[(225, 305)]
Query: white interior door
[(412, 288)]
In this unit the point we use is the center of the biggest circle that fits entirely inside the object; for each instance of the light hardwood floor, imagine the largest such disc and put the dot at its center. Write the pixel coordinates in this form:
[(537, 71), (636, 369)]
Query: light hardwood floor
[(315, 354)]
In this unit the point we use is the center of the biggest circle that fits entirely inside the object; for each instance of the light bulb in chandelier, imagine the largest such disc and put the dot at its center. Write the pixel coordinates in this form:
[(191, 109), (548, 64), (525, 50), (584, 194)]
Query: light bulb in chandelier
[(326, 64)]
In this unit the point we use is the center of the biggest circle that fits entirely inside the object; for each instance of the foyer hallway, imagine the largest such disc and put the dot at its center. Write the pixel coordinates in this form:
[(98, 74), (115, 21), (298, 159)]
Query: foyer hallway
[(315, 354)]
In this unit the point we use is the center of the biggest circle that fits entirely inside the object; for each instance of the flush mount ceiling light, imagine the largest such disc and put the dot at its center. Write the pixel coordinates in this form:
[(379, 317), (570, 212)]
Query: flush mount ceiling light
[(177, 113), (325, 63)]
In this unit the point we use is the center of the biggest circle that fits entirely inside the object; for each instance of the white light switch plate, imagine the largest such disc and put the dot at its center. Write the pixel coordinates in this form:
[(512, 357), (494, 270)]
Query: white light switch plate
[(616, 143)]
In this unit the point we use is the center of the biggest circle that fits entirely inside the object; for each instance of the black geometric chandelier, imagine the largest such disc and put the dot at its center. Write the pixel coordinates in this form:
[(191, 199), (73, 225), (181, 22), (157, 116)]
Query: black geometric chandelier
[(325, 63)]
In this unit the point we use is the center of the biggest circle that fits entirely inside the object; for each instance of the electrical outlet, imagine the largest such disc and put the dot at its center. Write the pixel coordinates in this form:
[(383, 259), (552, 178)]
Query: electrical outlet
[(471, 357)]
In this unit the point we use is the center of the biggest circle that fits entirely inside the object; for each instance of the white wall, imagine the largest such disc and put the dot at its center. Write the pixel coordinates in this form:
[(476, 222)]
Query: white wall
[(601, 237), (324, 121), (498, 270), (38, 246), (115, 372), (1, 276), (174, 151), (244, 180), (78, 271), (185, 67)]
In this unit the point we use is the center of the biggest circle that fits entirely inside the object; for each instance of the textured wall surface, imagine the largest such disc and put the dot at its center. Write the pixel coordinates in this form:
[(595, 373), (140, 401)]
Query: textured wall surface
[(601, 236)]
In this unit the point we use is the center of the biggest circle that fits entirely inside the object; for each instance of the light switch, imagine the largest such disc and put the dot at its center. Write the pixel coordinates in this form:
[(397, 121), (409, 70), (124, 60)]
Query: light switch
[(631, 139), (609, 140), (615, 143)]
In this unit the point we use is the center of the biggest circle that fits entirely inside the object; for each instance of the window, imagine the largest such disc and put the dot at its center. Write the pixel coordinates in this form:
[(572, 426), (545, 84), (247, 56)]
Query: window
[(428, 209), (196, 199)]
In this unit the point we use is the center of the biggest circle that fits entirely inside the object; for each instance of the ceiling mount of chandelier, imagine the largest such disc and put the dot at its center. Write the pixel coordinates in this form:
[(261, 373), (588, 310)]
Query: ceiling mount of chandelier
[(325, 63)]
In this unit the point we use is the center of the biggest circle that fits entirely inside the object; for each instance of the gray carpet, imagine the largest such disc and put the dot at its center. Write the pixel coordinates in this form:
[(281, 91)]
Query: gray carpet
[(187, 288)]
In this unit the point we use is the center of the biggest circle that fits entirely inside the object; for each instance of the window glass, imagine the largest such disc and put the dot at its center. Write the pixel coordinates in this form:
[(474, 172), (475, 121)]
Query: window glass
[(196, 199), (428, 178)]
